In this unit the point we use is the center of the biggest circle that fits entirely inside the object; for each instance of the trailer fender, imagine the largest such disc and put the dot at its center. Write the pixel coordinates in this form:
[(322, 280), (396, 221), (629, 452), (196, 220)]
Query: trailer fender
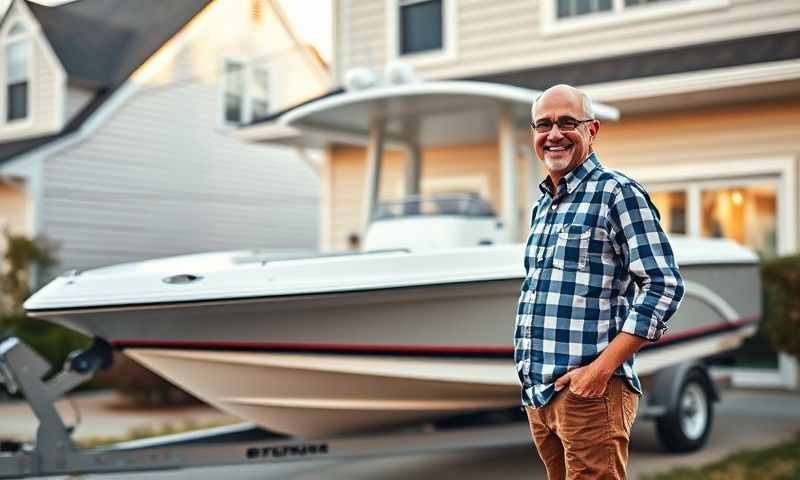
[(663, 394)]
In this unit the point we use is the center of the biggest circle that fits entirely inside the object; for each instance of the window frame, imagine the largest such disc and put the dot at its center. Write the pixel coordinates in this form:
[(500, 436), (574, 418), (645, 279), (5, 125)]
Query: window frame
[(695, 177), (248, 67), (620, 15), (448, 52), (252, 68), (9, 39)]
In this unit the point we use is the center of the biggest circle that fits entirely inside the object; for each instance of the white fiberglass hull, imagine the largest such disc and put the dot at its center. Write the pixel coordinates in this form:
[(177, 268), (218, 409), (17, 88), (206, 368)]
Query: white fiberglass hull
[(380, 340), (319, 395)]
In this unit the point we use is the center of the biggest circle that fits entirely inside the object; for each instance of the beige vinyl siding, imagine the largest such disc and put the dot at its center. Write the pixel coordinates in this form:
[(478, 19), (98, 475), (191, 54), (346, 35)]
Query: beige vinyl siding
[(161, 177), (754, 131), (264, 43), (76, 99), (47, 91), (502, 36), (365, 27)]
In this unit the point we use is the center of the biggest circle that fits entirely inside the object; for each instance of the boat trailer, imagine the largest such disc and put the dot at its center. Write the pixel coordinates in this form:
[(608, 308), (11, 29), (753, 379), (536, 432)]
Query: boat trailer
[(53, 451)]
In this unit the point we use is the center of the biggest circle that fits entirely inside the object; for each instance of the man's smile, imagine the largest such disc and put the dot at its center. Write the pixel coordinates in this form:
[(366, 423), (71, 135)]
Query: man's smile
[(557, 148)]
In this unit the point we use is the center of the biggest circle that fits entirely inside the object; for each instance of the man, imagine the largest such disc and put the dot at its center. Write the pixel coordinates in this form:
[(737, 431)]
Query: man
[(595, 237)]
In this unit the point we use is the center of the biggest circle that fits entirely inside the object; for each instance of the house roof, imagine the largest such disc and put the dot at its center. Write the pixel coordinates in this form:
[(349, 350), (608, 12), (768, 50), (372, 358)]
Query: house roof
[(101, 43), (729, 53)]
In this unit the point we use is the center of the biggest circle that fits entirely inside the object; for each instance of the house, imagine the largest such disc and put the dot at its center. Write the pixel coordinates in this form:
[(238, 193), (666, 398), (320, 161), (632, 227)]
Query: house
[(708, 90), (115, 121)]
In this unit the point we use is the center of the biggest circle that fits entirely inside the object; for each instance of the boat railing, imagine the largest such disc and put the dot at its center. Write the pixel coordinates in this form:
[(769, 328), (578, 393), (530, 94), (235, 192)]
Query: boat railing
[(461, 205), (268, 258)]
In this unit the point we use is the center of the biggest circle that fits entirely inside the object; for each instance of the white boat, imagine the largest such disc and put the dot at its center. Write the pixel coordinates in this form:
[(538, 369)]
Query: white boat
[(341, 343), (417, 326)]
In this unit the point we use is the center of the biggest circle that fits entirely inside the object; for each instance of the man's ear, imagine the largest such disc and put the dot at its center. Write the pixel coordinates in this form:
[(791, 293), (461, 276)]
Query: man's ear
[(594, 127)]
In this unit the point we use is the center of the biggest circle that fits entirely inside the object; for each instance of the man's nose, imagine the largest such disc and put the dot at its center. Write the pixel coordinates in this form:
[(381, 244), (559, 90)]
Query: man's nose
[(554, 133)]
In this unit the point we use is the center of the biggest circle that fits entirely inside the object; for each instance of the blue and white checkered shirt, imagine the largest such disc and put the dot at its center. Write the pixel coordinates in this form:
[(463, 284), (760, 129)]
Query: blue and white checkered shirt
[(590, 245)]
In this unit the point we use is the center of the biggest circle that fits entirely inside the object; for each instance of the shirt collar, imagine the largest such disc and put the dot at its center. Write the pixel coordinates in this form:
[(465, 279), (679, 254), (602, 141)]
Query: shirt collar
[(573, 178)]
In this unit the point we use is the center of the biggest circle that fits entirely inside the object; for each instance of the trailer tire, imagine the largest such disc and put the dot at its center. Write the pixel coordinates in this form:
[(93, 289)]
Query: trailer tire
[(688, 422)]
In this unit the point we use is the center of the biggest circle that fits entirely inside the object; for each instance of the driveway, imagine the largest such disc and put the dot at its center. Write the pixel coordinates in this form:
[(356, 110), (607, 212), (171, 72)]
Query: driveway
[(744, 419)]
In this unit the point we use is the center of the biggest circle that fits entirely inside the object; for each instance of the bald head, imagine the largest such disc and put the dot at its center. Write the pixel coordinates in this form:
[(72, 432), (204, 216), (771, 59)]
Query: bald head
[(565, 129), (579, 97)]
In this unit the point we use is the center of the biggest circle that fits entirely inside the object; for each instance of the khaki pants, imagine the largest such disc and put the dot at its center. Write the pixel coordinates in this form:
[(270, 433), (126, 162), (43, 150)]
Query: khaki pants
[(579, 437)]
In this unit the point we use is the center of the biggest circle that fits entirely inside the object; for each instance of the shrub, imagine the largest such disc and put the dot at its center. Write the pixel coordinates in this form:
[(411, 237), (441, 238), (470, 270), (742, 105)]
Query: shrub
[(781, 281), (54, 342), (21, 256)]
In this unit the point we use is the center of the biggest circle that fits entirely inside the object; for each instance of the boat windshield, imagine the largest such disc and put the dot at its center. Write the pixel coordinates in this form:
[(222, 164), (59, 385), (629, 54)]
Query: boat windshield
[(462, 205)]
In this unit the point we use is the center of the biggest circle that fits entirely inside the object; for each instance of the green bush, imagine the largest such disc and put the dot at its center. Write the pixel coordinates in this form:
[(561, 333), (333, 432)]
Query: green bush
[(781, 282), (52, 342), (138, 385), (21, 256)]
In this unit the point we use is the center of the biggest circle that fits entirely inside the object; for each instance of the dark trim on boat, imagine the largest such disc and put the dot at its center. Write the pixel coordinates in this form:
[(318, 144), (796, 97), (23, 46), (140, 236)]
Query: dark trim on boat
[(403, 350)]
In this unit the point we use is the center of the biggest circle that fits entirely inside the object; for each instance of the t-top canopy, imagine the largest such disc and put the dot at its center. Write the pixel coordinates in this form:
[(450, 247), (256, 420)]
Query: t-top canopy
[(430, 112)]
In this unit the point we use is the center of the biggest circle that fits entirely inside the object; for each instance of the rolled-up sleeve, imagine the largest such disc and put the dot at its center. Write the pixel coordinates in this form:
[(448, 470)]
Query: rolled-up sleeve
[(648, 257)]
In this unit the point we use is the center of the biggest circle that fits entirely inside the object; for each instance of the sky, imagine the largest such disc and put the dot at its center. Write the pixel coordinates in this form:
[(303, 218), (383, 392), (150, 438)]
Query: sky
[(313, 28)]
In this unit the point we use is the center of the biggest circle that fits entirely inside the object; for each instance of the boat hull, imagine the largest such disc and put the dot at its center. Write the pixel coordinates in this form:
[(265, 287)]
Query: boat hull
[(336, 363)]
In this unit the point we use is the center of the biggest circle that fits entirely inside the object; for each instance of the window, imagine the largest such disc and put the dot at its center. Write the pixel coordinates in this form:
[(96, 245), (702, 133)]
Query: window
[(247, 92), (743, 210), (559, 16), (421, 32), (17, 75), (633, 3), (572, 8), (672, 207), (746, 213), (234, 92), (259, 93), (421, 27)]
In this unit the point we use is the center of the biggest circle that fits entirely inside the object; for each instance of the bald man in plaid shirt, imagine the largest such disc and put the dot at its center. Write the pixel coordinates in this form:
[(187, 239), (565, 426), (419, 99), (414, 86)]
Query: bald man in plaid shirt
[(595, 236)]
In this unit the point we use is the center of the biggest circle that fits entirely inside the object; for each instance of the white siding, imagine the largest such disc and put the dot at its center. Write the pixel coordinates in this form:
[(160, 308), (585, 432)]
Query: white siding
[(508, 35), (46, 83), (76, 99), (161, 178)]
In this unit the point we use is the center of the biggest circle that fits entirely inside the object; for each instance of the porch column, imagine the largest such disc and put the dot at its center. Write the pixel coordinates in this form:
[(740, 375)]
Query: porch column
[(508, 179), (373, 174), (413, 167), (413, 156)]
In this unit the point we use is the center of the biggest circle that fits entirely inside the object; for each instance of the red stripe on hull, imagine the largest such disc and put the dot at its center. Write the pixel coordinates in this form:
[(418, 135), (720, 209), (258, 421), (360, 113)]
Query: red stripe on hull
[(389, 348)]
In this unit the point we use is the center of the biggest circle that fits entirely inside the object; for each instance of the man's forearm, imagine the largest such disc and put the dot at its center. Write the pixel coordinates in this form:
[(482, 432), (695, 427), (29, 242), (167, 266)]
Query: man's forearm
[(623, 346)]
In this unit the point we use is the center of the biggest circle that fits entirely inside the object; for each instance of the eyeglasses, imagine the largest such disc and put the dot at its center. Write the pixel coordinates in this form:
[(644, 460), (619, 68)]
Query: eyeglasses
[(565, 124)]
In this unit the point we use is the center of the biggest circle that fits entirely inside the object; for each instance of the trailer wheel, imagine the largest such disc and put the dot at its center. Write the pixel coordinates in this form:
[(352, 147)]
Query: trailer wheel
[(686, 426)]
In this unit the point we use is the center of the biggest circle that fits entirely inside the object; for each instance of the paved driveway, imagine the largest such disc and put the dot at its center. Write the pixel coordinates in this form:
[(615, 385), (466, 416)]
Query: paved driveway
[(744, 420)]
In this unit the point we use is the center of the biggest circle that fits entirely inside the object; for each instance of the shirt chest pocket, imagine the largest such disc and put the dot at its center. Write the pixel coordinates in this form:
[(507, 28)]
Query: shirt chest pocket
[(572, 247)]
